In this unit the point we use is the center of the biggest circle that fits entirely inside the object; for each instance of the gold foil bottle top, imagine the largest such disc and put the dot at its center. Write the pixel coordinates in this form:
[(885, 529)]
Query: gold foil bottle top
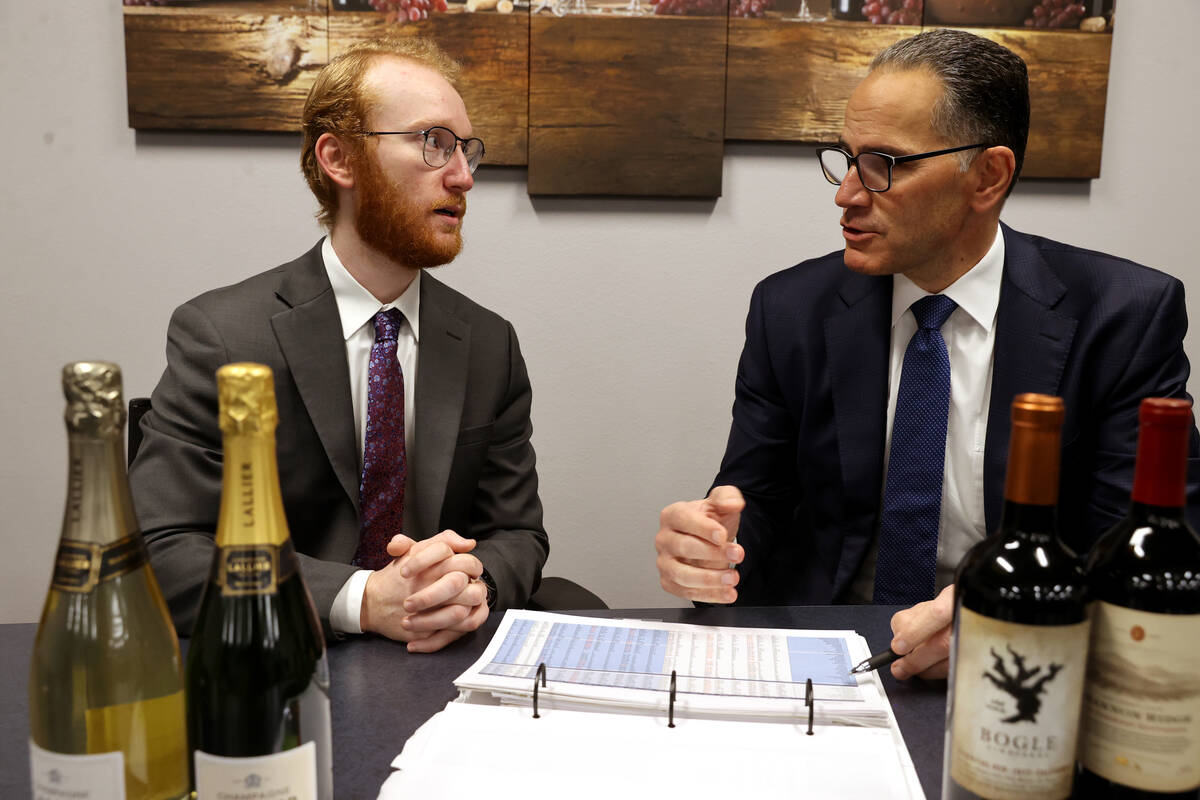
[(246, 392), (1035, 449), (95, 406)]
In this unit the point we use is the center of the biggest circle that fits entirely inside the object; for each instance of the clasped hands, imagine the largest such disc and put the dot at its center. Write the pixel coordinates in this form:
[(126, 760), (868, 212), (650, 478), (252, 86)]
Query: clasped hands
[(698, 558), (429, 594)]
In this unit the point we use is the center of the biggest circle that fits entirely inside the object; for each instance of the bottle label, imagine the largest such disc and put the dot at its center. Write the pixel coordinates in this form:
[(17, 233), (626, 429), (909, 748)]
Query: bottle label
[(254, 568), (57, 776), (290, 775), (81, 566), (1017, 691), (1141, 709)]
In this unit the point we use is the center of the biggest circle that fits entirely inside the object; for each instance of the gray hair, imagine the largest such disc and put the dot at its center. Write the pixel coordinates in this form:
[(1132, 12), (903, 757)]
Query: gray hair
[(985, 89)]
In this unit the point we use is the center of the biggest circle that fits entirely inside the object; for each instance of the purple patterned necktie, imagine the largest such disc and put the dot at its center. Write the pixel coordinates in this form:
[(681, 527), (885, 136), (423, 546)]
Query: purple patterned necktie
[(906, 569), (381, 493)]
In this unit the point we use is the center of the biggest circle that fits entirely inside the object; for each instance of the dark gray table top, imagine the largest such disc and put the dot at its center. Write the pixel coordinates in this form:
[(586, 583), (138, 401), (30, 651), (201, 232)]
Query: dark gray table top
[(381, 693)]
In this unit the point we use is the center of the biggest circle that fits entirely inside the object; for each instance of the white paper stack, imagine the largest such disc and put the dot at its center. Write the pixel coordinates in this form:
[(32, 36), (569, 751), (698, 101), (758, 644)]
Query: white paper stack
[(505, 753), (602, 730)]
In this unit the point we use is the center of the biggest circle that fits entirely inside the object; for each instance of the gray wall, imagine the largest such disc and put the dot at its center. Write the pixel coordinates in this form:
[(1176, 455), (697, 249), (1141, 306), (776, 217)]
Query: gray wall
[(630, 312)]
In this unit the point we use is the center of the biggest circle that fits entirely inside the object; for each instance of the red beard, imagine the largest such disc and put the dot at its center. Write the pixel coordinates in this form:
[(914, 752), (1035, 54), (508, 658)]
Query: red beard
[(389, 222)]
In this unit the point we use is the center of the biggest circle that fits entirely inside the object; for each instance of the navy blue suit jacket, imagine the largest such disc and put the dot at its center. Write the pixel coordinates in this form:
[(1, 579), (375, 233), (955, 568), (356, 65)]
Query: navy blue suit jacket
[(806, 446)]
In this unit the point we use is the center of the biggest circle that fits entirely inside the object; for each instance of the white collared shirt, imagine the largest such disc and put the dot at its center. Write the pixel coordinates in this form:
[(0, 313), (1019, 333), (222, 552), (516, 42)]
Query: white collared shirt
[(357, 308), (970, 334)]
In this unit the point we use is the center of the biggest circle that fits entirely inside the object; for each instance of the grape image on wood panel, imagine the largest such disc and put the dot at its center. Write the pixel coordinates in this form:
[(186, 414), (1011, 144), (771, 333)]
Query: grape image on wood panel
[(1028, 704)]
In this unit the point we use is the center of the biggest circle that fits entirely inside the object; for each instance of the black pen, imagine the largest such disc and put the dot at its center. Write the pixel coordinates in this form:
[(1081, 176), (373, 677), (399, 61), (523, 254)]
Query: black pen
[(876, 661)]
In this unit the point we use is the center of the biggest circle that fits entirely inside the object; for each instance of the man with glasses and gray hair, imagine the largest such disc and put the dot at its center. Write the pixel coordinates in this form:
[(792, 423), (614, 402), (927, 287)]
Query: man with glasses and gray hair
[(411, 496), (870, 422)]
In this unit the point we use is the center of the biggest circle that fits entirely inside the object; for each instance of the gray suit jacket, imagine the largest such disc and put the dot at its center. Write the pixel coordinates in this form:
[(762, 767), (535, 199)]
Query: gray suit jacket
[(471, 463)]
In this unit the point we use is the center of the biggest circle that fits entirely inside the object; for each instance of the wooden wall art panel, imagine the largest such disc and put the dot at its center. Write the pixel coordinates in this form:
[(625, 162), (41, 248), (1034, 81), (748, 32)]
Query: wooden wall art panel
[(626, 106), (1068, 87), (493, 49), (596, 100), (223, 66), (789, 81)]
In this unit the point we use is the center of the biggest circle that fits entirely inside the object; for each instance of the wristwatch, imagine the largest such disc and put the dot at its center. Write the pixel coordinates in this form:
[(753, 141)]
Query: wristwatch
[(491, 589)]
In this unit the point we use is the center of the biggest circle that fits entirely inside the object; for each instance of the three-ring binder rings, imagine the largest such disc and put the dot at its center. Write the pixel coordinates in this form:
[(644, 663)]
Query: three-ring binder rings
[(633, 708)]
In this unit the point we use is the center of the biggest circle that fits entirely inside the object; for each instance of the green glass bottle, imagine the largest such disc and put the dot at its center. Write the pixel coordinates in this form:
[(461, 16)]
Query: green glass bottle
[(257, 675)]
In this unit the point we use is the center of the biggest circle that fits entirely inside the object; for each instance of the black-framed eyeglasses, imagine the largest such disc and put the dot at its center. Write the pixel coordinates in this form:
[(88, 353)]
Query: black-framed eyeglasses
[(439, 144), (874, 169)]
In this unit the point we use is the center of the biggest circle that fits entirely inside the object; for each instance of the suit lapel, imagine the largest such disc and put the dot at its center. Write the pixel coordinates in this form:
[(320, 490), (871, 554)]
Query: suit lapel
[(1032, 343), (309, 333), (441, 391), (857, 341)]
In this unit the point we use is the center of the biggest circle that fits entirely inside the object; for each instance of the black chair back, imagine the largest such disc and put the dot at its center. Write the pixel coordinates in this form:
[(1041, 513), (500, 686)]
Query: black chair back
[(138, 406)]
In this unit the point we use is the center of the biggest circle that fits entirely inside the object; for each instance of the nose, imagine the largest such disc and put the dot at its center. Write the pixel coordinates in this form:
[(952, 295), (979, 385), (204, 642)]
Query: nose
[(851, 191), (456, 174)]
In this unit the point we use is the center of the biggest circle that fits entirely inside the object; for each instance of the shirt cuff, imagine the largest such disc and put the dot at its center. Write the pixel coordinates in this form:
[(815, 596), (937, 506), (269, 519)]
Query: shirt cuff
[(346, 614)]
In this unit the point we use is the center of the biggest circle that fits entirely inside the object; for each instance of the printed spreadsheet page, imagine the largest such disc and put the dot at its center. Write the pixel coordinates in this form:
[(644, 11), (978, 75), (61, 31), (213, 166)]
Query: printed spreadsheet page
[(720, 671)]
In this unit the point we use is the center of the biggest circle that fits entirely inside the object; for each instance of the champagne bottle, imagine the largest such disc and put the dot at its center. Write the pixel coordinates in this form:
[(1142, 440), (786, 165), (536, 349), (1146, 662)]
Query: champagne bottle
[(257, 677), (1020, 634), (106, 708), (1141, 711)]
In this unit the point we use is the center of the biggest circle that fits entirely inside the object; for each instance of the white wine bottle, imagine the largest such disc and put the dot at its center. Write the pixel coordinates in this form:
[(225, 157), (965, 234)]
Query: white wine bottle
[(106, 705), (257, 676)]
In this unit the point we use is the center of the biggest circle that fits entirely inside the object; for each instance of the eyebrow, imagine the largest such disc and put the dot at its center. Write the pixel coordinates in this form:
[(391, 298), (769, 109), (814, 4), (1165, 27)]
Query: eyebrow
[(886, 150)]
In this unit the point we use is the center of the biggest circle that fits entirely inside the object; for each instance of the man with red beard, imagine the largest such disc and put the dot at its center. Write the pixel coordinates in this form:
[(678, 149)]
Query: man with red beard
[(404, 448)]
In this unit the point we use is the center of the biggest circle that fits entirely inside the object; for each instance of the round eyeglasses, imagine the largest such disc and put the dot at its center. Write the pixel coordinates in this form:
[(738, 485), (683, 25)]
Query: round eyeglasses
[(439, 144), (874, 169)]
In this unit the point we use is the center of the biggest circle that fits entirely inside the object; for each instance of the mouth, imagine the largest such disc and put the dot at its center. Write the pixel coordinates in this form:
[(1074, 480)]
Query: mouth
[(450, 212), (855, 234)]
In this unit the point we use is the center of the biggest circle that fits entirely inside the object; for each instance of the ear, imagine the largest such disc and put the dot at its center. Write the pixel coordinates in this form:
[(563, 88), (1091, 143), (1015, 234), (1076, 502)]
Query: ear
[(334, 159), (994, 169)]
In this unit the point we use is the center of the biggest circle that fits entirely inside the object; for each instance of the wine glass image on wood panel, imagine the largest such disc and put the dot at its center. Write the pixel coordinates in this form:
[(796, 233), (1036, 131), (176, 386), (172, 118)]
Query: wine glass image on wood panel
[(805, 14), (634, 8)]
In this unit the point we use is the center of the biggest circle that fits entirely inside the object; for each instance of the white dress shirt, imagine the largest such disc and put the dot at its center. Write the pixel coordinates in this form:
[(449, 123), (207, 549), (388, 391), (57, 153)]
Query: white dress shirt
[(970, 334), (357, 308)]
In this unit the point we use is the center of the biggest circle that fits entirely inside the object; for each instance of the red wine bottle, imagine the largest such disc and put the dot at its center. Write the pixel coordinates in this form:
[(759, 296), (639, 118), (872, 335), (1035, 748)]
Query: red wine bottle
[(1020, 634), (1141, 712)]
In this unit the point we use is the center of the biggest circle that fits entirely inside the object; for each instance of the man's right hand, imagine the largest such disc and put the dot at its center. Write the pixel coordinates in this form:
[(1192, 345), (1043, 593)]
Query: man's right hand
[(922, 635), (696, 551)]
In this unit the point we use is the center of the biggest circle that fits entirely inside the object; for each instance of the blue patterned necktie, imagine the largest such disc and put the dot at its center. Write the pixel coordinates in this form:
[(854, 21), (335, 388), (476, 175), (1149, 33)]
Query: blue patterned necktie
[(381, 493), (905, 571)]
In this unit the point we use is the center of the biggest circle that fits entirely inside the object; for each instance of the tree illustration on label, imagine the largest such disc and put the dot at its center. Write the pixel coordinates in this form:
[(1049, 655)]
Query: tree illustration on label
[(1018, 686)]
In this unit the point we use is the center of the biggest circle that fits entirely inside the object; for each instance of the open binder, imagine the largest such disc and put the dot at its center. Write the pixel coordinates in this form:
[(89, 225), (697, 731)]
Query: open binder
[(608, 723)]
